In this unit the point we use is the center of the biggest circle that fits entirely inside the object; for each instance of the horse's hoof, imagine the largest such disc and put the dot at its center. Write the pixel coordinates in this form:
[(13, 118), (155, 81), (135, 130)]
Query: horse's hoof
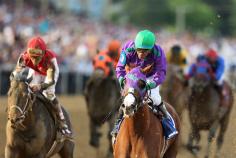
[(193, 149), (94, 143), (189, 147)]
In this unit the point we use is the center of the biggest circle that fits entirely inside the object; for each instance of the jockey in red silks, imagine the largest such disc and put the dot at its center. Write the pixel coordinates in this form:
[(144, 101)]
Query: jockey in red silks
[(144, 52), (44, 71)]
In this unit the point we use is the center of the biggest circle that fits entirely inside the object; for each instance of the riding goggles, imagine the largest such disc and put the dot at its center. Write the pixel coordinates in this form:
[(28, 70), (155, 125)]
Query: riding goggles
[(35, 52)]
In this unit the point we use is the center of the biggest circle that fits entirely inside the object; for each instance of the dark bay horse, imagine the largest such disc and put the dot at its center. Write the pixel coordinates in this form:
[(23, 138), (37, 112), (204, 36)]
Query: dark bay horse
[(141, 133), (173, 90), (207, 110), (31, 130), (102, 91)]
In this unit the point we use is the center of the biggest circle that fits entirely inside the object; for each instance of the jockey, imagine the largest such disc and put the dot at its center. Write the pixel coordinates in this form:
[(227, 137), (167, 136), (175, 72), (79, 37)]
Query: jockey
[(113, 51), (216, 70), (44, 71), (177, 56), (143, 52), (218, 66)]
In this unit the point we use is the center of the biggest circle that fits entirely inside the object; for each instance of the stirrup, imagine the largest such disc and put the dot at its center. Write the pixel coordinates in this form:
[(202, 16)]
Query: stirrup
[(114, 131), (172, 135)]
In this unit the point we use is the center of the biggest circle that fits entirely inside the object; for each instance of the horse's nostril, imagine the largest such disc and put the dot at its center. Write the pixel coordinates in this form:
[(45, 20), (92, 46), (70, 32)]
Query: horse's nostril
[(12, 121), (122, 105)]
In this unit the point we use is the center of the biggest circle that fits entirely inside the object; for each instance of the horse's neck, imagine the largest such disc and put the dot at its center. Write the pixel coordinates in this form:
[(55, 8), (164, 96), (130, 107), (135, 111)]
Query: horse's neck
[(208, 98), (33, 115), (105, 88), (141, 120)]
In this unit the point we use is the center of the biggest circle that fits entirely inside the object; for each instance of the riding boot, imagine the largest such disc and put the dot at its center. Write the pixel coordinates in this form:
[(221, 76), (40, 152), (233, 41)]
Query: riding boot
[(118, 120), (167, 122), (163, 109), (61, 118)]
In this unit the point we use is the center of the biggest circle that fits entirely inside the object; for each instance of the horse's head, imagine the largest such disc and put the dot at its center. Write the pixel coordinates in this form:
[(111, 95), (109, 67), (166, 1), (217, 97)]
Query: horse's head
[(19, 97), (202, 77), (134, 91), (103, 66)]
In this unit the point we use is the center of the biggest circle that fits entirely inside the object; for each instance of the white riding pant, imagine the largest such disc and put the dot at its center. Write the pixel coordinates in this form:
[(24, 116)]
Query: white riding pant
[(155, 94), (49, 93)]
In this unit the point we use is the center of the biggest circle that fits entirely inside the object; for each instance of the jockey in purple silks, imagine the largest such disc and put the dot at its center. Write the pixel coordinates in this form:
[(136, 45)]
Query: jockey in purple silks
[(144, 52)]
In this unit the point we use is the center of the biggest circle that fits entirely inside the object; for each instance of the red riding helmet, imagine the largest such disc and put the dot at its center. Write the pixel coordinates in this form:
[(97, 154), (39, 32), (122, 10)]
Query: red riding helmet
[(36, 43), (36, 48), (212, 55)]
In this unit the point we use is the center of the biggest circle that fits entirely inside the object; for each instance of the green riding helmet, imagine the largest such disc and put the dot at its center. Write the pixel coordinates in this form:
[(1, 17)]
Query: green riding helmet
[(145, 40)]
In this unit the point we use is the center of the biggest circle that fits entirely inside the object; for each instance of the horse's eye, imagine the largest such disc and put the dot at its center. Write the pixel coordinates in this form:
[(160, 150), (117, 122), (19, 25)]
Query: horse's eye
[(141, 84)]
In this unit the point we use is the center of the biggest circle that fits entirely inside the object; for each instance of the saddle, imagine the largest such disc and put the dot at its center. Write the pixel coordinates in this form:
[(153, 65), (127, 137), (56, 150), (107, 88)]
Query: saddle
[(154, 109), (48, 105)]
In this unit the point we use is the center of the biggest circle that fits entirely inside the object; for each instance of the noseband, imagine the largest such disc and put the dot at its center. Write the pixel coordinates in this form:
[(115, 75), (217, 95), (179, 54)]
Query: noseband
[(137, 104)]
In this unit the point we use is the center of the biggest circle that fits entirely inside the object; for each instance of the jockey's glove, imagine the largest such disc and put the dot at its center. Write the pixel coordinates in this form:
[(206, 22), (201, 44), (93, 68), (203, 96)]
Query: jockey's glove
[(122, 82), (35, 87), (150, 84)]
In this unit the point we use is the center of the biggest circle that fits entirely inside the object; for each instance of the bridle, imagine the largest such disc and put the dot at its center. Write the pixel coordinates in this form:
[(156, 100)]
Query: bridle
[(138, 101), (23, 111)]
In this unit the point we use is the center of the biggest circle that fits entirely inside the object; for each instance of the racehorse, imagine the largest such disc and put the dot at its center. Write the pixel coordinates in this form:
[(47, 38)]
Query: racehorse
[(173, 89), (207, 110), (101, 92), (31, 131), (141, 134)]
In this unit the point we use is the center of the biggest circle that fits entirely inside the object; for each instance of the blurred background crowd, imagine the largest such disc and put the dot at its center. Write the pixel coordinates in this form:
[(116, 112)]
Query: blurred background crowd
[(77, 29)]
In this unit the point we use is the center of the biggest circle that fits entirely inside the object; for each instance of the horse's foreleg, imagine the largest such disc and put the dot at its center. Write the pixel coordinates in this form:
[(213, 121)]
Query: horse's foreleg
[(194, 136), (94, 134), (211, 135), (220, 138), (11, 152), (67, 149), (110, 150)]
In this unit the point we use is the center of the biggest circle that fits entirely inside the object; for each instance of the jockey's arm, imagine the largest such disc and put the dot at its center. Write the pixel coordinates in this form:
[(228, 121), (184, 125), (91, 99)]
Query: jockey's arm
[(160, 70), (220, 68), (20, 63), (120, 68), (52, 74)]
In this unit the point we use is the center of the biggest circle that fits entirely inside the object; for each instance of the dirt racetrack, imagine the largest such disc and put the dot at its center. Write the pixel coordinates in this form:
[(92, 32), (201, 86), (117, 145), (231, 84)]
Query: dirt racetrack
[(75, 105)]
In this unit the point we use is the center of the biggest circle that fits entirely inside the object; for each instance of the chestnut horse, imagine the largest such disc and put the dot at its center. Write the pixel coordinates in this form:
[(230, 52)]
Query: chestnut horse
[(207, 110), (31, 131), (141, 133), (173, 90)]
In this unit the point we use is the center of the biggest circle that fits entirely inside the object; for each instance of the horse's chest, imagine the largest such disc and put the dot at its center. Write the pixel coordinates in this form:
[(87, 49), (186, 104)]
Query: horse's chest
[(204, 107), (33, 142)]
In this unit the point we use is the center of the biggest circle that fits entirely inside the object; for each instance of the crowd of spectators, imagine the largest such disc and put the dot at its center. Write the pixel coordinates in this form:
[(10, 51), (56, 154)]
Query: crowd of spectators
[(76, 39)]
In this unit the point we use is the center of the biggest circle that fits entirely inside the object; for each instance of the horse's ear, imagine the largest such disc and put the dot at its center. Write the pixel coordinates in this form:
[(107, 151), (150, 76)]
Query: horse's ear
[(147, 69)]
